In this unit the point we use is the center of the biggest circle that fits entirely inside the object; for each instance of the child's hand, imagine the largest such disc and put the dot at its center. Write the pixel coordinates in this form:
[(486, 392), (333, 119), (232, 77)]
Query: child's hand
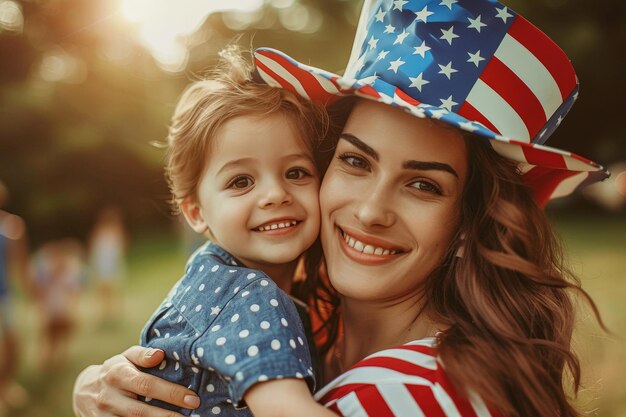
[(111, 389)]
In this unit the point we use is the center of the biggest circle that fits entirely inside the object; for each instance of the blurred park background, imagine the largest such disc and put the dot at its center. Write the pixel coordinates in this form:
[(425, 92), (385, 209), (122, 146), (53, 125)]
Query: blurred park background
[(87, 88)]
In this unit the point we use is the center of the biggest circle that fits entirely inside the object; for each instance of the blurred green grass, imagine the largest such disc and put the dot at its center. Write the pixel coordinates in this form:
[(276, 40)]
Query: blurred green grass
[(597, 253)]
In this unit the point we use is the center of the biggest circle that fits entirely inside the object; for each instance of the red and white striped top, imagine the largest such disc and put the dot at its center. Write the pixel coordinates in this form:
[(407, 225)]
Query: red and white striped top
[(407, 380)]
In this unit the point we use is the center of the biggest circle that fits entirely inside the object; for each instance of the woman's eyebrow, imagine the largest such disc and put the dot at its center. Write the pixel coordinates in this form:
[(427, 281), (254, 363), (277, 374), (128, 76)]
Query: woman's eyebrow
[(360, 144), (428, 166)]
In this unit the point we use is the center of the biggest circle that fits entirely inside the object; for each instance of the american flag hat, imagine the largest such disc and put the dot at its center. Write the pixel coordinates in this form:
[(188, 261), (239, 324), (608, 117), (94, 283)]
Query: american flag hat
[(475, 64)]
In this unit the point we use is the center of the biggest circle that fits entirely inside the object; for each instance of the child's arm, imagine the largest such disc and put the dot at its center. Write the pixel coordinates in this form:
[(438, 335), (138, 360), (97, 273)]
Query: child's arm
[(284, 397)]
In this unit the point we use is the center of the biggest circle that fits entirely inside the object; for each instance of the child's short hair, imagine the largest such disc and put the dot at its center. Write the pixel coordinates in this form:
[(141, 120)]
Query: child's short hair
[(207, 104)]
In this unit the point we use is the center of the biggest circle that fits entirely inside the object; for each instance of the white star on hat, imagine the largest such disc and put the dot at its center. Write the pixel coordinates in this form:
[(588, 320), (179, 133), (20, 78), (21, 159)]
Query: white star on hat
[(503, 14), (448, 103), (394, 65), (448, 3), (475, 58), (389, 29), (418, 82), (447, 70), (372, 42), (448, 35), (401, 37), (475, 23), (399, 4), (423, 14), (422, 49), (380, 16)]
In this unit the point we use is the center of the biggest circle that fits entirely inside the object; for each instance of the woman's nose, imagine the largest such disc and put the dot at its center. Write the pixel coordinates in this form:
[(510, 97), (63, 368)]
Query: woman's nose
[(274, 194), (375, 208)]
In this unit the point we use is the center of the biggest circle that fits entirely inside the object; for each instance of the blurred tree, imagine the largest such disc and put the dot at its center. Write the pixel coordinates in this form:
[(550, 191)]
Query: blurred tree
[(82, 99)]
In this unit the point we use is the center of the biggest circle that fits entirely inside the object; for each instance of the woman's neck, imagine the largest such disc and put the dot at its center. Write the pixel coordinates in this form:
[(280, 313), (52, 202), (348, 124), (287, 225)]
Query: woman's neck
[(373, 326)]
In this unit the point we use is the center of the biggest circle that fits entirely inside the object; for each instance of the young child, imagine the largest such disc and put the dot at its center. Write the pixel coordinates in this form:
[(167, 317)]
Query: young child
[(59, 272), (241, 169)]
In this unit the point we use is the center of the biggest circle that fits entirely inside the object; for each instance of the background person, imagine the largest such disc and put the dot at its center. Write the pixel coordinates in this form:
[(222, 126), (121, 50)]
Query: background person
[(108, 243), (59, 273), (13, 267)]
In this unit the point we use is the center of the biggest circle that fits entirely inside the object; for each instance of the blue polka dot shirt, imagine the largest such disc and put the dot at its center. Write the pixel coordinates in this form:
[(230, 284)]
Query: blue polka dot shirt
[(225, 327)]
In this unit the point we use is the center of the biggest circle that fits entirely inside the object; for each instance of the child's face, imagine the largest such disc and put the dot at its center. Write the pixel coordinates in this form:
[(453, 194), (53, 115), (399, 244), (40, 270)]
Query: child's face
[(259, 195)]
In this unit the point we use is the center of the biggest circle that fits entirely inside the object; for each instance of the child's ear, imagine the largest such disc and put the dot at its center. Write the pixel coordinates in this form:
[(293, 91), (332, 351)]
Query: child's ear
[(193, 214)]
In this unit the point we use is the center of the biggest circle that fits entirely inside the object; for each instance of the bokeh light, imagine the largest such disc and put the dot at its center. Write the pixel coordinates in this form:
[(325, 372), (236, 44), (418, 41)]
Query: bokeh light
[(11, 17), (163, 25)]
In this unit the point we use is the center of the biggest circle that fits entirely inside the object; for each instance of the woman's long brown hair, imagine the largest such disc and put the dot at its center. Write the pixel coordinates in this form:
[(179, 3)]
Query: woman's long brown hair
[(508, 301)]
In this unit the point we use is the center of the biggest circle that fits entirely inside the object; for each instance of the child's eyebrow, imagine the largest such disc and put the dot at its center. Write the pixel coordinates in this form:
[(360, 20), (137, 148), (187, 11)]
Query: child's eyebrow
[(234, 164)]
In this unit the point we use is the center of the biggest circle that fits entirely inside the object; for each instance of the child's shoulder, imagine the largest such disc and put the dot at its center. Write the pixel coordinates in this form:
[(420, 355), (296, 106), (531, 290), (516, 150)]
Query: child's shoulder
[(218, 260)]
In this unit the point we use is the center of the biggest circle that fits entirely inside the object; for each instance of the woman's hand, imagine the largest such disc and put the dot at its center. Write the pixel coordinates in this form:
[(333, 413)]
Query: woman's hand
[(111, 389)]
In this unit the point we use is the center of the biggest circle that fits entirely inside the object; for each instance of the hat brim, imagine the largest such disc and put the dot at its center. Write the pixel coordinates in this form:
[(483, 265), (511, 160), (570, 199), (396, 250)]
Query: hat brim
[(549, 172)]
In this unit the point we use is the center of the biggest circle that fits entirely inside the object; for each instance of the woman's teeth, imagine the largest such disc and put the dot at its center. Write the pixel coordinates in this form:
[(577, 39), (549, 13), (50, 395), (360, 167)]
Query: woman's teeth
[(275, 226), (366, 249)]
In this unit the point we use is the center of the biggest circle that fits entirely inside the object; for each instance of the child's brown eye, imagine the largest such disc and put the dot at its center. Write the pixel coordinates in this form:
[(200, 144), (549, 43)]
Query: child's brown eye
[(297, 174), (241, 182)]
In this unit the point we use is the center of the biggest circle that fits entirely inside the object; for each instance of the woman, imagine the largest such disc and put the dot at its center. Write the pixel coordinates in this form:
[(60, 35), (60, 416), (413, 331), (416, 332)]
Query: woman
[(433, 235)]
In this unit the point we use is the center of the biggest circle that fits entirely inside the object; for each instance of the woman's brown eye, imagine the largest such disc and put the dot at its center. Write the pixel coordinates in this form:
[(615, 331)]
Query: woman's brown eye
[(426, 186)]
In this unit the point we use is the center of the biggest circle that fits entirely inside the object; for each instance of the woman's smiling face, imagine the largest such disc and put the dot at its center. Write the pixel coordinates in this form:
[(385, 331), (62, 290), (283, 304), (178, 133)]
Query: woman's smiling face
[(390, 202)]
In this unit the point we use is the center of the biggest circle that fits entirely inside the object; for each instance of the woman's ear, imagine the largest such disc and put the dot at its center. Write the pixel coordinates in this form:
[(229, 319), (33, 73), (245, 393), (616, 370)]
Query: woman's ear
[(193, 214)]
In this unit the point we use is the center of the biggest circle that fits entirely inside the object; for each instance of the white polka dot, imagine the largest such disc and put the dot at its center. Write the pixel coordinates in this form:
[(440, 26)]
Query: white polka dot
[(220, 341), (245, 293), (292, 343), (216, 410), (167, 335), (201, 287), (157, 332), (147, 399), (183, 308), (188, 288), (299, 375), (236, 290), (239, 376), (176, 356), (300, 341), (195, 370), (216, 328), (163, 365), (234, 318), (264, 283), (309, 371), (215, 268), (275, 344), (263, 378), (273, 302), (244, 333), (253, 350), (251, 275), (198, 307), (230, 359), (254, 308), (177, 366), (180, 318), (265, 325), (201, 268), (217, 289), (284, 322), (210, 388)]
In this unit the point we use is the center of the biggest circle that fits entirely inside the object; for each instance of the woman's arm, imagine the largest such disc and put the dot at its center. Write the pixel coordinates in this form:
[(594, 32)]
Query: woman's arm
[(111, 389)]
